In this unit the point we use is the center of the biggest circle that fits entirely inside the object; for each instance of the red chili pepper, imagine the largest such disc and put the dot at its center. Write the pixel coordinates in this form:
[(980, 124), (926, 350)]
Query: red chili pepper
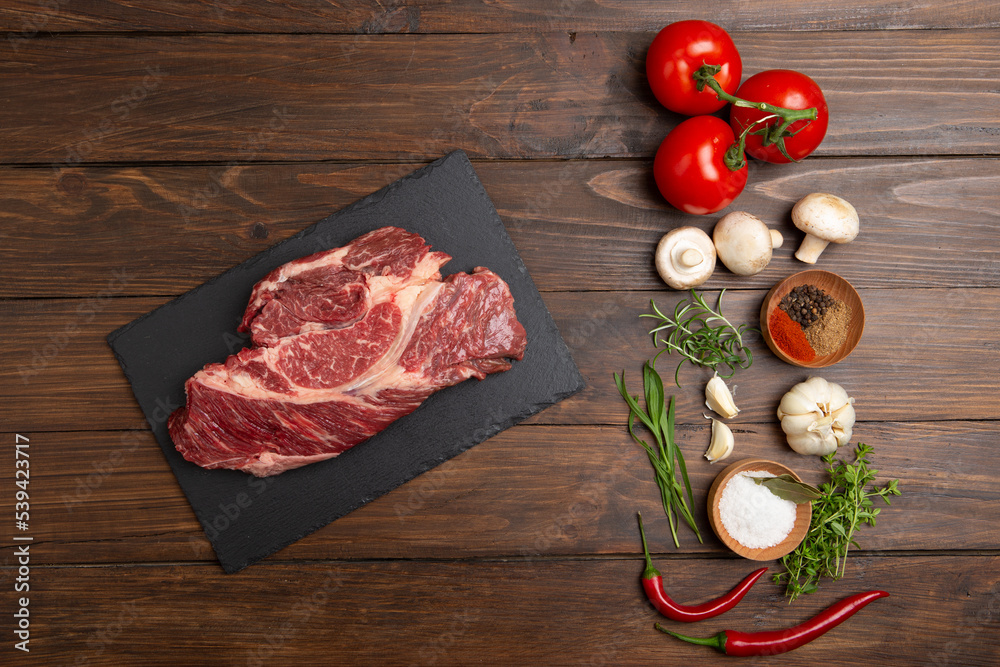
[(773, 642), (652, 582)]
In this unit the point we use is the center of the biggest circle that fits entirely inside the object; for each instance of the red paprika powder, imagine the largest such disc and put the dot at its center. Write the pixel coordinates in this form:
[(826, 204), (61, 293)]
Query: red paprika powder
[(789, 337)]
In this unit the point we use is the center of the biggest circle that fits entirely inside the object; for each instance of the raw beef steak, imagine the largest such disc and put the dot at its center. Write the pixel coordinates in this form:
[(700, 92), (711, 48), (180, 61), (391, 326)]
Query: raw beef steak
[(346, 341)]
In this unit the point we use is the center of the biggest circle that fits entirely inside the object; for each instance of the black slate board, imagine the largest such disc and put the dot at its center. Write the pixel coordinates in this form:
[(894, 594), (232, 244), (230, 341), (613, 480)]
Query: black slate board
[(247, 518)]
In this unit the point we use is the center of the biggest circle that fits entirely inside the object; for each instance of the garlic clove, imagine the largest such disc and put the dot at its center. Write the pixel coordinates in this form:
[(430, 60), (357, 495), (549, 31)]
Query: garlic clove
[(812, 443), (791, 424), (720, 399), (838, 395), (842, 436), (722, 442), (843, 423), (796, 403)]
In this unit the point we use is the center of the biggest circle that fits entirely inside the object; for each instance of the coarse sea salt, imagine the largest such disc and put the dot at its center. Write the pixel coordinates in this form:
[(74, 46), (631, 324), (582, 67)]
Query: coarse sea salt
[(752, 515)]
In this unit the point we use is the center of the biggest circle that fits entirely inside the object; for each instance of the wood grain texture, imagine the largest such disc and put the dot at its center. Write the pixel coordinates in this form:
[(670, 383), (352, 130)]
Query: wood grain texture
[(149, 146), (457, 613), (27, 19), (896, 373), (285, 97), (185, 225), (530, 492)]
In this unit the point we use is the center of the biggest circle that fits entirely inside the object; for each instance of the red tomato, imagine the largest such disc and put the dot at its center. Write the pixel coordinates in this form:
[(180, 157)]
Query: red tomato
[(689, 168), (677, 52), (782, 88)]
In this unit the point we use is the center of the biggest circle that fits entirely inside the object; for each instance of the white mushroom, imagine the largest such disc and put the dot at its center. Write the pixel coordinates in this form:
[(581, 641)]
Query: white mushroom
[(685, 257), (744, 243), (825, 219)]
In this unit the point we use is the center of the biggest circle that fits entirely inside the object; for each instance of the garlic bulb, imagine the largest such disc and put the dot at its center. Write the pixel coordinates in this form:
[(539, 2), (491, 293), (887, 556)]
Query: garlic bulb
[(817, 416), (719, 398), (722, 442)]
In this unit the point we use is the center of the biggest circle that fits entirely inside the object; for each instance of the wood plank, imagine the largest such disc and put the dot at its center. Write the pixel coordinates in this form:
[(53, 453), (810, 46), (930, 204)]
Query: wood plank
[(286, 97), (927, 354), (580, 225), (530, 492), (564, 612), (28, 18)]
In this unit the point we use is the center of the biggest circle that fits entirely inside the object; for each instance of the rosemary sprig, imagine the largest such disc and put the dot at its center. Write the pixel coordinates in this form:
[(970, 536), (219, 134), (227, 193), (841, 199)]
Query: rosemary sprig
[(844, 506), (701, 335), (666, 458)]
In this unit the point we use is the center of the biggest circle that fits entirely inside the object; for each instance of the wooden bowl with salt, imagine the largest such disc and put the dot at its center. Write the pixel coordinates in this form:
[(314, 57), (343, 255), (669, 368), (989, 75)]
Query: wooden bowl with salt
[(836, 287), (803, 512)]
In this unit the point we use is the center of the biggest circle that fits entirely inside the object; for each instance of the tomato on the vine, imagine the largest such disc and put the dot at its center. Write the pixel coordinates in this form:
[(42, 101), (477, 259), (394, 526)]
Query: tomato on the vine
[(781, 88), (677, 52), (690, 166)]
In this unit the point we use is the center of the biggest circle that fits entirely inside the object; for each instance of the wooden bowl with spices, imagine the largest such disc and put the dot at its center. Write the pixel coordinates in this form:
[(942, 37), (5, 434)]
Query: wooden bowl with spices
[(812, 319), (746, 506)]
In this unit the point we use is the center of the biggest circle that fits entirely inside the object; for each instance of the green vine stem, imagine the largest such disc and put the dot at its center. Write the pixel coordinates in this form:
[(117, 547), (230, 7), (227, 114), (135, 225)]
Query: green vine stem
[(773, 134)]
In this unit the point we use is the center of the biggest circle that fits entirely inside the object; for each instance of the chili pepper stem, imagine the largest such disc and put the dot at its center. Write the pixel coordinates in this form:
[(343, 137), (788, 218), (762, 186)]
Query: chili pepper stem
[(717, 642), (650, 571)]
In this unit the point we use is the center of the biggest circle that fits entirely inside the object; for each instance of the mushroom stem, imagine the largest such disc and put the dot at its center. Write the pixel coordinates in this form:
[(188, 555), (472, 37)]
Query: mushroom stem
[(691, 257), (810, 250), (776, 238), (685, 257)]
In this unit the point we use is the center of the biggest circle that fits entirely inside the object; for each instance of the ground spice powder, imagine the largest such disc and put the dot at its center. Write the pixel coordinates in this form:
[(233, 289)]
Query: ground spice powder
[(789, 337), (829, 332)]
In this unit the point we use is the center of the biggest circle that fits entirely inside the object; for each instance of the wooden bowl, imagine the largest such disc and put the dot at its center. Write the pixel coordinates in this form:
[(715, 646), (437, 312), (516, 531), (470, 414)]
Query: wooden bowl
[(803, 512), (835, 286)]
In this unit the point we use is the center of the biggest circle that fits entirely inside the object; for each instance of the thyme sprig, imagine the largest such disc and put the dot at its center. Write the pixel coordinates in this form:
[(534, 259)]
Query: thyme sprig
[(701, 335), (843, 508), (666, 456)]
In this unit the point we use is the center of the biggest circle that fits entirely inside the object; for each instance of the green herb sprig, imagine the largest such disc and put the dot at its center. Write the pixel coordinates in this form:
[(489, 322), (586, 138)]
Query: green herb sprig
[(666, 457), (701, 335), (844, 506)]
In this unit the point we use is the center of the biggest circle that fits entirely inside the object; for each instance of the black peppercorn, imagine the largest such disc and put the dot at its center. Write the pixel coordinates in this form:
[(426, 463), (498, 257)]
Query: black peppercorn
[(805, 304)]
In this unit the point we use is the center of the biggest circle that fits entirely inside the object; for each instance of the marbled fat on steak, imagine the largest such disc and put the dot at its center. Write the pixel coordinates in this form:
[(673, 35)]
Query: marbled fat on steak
[(345, 342)]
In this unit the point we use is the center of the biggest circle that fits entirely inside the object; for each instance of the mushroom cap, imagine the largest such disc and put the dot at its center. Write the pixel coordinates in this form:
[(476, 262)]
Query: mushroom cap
[(743, 243), (826, 216), (685, 257)]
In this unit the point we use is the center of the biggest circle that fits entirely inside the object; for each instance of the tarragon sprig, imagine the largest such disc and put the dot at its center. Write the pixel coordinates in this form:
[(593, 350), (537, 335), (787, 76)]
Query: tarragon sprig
[(666, 456), (701, 335)]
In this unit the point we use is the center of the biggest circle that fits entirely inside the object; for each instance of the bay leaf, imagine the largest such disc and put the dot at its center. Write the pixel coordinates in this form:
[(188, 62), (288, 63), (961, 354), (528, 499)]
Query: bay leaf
[(787, 487)]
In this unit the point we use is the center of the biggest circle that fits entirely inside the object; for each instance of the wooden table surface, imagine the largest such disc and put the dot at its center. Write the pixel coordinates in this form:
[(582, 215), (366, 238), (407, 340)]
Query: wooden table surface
[(148, 146)]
